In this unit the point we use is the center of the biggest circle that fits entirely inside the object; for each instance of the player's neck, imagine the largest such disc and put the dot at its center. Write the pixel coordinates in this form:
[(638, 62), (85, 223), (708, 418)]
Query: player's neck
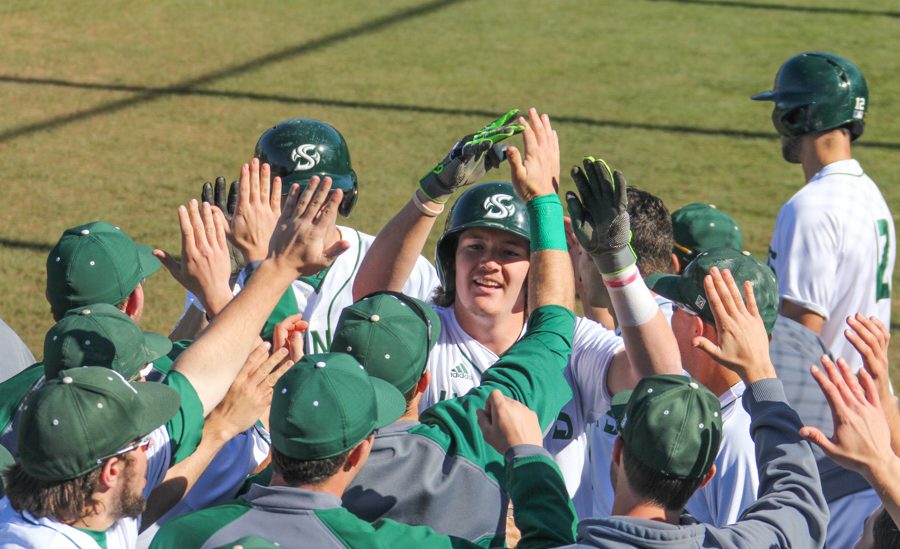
[(97, 521), (628, 505), (497, 332), (822, 149)]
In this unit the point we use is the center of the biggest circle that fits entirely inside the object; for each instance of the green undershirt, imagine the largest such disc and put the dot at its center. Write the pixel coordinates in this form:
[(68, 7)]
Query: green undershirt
[(99, 537)]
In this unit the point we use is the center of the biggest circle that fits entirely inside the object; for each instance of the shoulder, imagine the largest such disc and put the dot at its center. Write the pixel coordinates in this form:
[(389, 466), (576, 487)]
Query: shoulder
[(193, 529)]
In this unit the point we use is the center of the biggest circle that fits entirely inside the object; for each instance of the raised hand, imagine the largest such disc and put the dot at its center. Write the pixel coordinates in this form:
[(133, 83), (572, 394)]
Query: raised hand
[(204, 268), (600, 217), (288, 334), (506, 422), (250, 395), (469, 159), (533, 173), (216, 197), (743, 344), (307, 223), (862, 440), (257, 210)]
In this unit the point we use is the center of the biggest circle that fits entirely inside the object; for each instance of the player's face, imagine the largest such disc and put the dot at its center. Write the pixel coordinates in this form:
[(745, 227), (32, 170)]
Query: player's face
[(491, 269), (683, 328)]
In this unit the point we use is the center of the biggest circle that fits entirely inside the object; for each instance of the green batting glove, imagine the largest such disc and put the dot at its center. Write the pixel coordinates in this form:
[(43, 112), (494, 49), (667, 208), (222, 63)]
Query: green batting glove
[(470, 158), (600, 218)]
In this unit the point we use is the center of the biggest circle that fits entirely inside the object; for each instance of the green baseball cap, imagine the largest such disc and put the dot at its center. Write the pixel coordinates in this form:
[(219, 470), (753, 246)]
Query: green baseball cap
[(85, 415), (326, 404), (101, 335), (95, 263), (701, 227), (687, 288), (390, 334), (671, 424)]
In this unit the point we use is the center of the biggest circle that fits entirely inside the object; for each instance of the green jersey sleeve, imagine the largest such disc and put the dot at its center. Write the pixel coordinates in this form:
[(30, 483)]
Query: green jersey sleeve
[(163, 364), (186, 427), (530, 372), (14, 390)]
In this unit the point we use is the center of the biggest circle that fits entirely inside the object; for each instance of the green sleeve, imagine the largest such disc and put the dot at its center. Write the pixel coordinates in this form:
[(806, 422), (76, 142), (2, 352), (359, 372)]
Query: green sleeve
[(544, 513), (13, 391), (186, 427), (355, 532), (530, 372), (193, 529), (163, 364)]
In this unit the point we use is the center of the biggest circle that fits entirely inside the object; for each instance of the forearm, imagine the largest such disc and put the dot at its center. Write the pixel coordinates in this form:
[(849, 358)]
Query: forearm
[(181, 477), (884, 481), (551, 279), (892, 413), (214, 359), (544, 512), (393, 255)]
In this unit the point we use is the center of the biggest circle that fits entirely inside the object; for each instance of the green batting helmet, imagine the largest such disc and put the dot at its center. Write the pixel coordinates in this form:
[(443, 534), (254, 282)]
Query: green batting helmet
[(300, 148), (817, 91), (492, 205)]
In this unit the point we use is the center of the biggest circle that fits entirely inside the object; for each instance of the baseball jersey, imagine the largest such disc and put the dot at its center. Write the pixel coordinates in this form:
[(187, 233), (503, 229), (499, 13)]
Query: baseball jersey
[(14, 354), (295, 517), (833, 251), (321, 298), (458, 361)]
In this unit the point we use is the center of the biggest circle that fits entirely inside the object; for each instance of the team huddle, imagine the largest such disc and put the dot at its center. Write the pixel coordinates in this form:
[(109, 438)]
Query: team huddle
[(328, 388)]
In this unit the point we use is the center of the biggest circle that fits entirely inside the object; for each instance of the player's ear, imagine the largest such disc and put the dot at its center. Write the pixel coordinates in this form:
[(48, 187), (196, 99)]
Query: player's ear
[(424, 382), (708, 477), (675, 264), (617, 450)]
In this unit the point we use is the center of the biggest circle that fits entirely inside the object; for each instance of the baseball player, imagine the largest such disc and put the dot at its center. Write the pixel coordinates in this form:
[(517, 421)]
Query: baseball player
[(834, 247), (294, 151), (324, 414), (669, 434), (482, 262)]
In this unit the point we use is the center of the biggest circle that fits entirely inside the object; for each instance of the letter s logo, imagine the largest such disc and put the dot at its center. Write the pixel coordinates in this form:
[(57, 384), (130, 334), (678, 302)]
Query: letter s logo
[(301, 155), (499, 206)]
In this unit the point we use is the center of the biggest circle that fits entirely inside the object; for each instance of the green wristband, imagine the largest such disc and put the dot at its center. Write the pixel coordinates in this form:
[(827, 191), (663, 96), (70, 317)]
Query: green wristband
[(545, 214)]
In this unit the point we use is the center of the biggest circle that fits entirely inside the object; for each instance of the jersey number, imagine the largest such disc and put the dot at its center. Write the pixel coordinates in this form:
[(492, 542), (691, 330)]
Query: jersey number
[(882, 287)]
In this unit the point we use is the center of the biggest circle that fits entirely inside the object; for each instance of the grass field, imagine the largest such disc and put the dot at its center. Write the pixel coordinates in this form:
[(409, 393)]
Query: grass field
[(120, 110)]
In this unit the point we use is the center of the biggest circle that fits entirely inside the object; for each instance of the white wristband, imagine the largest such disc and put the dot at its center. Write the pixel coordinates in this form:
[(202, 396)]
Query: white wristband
[(631, 299)]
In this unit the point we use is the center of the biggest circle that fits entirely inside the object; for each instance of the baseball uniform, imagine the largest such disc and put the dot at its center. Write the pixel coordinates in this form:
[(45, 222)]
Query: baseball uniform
[(14, 355), (458, 361), (322, 297), (833, 251)]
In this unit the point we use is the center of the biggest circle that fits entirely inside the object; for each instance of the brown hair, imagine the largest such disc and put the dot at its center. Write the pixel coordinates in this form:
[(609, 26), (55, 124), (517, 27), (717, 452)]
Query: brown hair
[(298, 472), (65, 500)]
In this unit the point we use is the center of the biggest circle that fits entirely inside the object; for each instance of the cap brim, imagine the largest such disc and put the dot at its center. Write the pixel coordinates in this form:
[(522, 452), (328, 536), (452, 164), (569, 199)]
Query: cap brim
[(665, 285), (160, 403), (389, 402), (149, 263), (157, 345), (342, 182), (764, 96)]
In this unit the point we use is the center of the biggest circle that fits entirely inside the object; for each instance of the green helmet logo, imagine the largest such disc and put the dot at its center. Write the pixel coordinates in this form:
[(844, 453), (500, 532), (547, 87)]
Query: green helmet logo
[(300, 148), (815, 92), (492, 205)]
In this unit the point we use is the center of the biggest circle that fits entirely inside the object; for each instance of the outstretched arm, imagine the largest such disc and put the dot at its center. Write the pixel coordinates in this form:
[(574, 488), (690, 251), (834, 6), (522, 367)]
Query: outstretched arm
[(862, 439), (601, 224), (393, 255), (297, 247)]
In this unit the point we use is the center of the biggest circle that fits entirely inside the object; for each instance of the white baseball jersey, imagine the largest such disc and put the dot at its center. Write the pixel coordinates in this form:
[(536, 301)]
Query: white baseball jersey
[(322, 306), (725, 497), (457, 362), (833, 251)]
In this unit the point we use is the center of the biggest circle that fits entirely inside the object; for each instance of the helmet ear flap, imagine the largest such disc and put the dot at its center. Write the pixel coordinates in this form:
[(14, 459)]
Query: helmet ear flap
[(349, 200), (792, 122)]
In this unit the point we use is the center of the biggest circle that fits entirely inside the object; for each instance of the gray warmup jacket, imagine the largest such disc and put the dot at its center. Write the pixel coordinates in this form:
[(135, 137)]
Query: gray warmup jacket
[(790, 512)]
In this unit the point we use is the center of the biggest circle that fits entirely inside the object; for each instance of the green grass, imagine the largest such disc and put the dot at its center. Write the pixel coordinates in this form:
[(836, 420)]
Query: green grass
[(151, 99)]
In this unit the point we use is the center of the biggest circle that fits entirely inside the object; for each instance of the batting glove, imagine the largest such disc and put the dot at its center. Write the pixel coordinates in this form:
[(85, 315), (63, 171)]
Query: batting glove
[(600, 218), (216, 196), (470, 158)]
